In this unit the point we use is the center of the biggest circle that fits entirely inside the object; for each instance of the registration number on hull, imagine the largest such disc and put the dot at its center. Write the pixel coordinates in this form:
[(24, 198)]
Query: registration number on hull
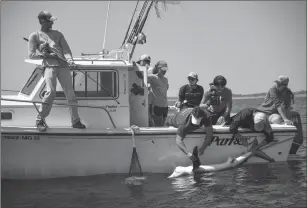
[(20, 137)]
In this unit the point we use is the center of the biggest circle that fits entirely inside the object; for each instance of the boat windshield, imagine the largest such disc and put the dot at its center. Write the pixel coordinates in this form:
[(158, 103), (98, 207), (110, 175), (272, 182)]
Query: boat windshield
[(32, 81), (94, 84)]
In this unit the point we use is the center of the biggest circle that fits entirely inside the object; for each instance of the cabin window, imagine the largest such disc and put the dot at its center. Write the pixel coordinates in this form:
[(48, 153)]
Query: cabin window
[(32, 81), (6, 115), (92, 84)]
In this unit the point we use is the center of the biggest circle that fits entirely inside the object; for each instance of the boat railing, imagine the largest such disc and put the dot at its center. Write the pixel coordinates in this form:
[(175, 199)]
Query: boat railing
[(119, 54), (61, 104)]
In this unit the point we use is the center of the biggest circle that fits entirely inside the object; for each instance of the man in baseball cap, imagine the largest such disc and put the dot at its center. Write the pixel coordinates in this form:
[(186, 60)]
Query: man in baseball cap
[(144, 58), (145, 61), (188, 120), (46, 16), (191, 94), (51, 46)]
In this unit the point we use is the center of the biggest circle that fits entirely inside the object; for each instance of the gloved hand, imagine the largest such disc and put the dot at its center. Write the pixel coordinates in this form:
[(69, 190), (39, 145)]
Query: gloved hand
[(44, 47)]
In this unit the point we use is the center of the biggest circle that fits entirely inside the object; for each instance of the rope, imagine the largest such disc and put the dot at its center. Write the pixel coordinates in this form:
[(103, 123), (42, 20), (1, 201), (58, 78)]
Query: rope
[(135, 161), (133, 129), (105, 31)]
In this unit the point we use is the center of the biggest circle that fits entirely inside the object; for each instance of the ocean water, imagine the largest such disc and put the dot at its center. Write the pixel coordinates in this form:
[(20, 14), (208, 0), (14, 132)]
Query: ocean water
[(261, 185)]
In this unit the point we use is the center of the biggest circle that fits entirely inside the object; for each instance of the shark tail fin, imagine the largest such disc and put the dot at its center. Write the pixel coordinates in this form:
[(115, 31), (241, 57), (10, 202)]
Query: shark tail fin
[(196, 163)]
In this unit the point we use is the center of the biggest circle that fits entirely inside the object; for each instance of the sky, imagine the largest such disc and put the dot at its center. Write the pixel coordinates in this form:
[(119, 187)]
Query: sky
[(251, 43)]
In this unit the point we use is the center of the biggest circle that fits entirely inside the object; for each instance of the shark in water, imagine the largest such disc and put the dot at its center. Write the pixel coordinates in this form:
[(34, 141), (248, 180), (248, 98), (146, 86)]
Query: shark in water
[(198, 168)]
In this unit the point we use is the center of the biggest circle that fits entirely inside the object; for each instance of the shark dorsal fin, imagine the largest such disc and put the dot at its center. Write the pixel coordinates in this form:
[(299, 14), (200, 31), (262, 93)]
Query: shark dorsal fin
[(196, 163)]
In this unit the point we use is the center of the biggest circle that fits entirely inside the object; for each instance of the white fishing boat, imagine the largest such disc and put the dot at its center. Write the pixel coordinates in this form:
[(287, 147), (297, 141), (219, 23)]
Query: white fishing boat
[(110, 102)]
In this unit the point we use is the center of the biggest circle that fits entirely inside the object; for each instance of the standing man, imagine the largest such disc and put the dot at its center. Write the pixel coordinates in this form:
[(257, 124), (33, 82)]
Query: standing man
[(144, 61), (218, 100), (51, 46), (190, 95), (188, 120), (159, 85)]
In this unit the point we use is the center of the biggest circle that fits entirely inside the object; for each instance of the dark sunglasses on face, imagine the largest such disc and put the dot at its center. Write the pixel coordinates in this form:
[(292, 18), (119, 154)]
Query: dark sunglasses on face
[(47, 21), (219, 85), (191, 79)]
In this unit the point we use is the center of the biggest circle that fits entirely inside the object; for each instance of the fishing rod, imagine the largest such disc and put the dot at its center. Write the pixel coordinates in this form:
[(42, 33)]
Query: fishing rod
[(75, 67)]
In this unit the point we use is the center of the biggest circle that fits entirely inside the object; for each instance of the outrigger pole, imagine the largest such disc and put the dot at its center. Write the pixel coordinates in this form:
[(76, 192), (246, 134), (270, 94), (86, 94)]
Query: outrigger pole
[(106, 27)]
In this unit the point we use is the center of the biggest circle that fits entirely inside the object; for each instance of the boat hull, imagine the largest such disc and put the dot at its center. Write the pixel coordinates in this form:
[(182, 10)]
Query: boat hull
[(64, 152)]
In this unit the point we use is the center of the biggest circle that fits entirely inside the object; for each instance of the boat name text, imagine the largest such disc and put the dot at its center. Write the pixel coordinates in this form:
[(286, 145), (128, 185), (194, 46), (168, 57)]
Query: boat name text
[(229, 141)]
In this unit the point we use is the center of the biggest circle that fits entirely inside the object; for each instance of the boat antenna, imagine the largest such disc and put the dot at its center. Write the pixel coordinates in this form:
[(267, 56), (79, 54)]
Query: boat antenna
[(106, 27), (130, 23)]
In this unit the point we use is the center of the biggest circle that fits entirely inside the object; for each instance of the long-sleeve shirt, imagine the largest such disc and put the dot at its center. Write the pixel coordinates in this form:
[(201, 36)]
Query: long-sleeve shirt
[(56, 42), (272, 101), (193, 95)]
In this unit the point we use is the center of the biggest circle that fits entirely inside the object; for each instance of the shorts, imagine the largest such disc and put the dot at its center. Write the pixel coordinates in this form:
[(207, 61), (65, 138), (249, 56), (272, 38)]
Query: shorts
[(160, 111)]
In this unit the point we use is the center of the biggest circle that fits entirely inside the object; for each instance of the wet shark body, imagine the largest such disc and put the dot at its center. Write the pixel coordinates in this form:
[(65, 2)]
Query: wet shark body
[(198, 168)]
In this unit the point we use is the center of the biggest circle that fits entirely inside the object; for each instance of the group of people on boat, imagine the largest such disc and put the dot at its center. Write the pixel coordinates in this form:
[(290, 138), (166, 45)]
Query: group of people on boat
[(216, 106), (197, 108)]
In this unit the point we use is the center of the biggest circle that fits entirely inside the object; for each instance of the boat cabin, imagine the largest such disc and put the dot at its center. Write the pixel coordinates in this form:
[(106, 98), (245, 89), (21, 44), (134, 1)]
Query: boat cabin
[(111, 94)]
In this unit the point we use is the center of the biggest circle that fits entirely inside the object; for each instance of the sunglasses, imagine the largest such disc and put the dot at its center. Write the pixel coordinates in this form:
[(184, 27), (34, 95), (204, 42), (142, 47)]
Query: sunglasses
[(219, 85), (191, 79)]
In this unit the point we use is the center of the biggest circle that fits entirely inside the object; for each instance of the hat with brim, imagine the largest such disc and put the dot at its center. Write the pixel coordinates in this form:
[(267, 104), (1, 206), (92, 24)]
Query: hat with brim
[(144, 57), (162, 65), (283, 80), (193, 75), (44, 15)]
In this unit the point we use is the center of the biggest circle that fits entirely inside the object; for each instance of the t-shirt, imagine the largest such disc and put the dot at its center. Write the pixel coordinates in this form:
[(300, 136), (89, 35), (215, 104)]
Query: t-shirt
[(159, 87), (182, 121), (193, 95), (56, 41), (226, 98), (244, 119)]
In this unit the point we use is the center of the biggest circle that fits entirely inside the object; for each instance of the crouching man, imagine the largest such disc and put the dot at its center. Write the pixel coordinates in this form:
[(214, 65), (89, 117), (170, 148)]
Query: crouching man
[(256, 120), (188, 120)]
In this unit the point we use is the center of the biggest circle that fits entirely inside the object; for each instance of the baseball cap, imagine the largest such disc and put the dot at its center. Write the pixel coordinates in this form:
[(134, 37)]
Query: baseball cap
[(144, 57), (162, 65), (260, 121), (193, 75), (283, 80), (44, 15)]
